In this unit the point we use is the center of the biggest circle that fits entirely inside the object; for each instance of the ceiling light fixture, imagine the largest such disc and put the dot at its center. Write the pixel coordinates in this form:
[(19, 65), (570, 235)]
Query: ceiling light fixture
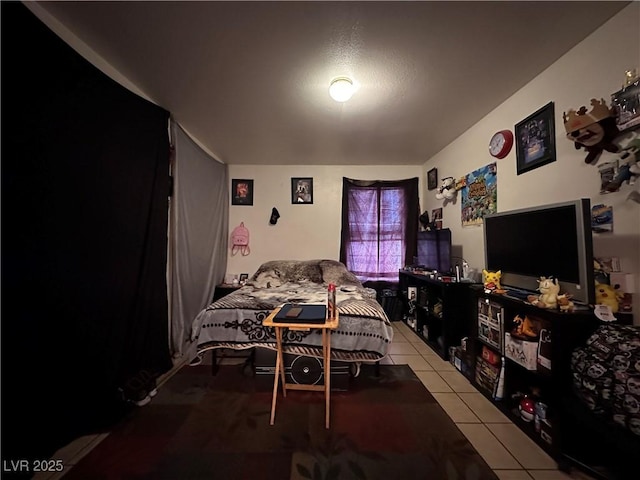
[(341, 89)]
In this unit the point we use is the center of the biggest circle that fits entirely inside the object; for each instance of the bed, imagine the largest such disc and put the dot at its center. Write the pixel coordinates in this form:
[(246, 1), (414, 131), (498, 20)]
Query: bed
[(235, 321)]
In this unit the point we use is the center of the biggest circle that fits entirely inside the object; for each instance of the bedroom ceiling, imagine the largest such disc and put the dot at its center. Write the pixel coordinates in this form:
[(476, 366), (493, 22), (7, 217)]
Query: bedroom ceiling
[(249, 80)]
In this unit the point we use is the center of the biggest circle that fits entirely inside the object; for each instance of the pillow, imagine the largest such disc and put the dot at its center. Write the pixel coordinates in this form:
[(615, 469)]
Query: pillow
[(336, 272), (288, 271)]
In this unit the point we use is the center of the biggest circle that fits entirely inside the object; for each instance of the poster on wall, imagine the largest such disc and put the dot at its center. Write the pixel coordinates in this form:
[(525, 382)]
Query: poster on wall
[(480, 195), (602, 218)]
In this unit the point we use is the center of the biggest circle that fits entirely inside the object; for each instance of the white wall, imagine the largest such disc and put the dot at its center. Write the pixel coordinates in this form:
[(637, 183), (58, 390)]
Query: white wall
[(303, 232), (593, 69)]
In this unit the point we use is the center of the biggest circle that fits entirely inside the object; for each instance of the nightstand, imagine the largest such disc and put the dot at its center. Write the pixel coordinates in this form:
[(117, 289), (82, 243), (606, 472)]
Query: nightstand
[(223, 290)]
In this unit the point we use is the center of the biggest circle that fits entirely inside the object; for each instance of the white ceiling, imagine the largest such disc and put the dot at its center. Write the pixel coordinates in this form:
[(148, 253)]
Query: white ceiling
[(250, 80)]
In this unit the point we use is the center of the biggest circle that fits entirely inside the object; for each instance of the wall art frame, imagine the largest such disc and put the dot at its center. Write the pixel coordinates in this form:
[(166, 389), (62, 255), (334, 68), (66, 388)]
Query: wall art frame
[(436, 218), (432, 179), (241, 191), (302, 190), (535, 138)]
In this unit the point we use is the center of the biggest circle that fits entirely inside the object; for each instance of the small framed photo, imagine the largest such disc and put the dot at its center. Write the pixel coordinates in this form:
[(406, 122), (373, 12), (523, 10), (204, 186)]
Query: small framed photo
[(536, 139), (436, 218), (241, 192), (432, 179), (243, 278), (301, 190)]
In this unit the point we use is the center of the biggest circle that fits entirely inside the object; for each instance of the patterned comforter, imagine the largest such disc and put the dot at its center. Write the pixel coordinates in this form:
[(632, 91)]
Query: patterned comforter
[(235, 321)]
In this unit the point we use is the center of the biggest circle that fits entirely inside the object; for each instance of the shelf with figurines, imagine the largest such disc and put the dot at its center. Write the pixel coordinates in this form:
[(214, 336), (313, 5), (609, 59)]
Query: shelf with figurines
[(522, 344)]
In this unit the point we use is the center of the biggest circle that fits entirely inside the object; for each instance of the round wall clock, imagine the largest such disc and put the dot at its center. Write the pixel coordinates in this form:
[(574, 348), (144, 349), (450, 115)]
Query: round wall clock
[(501, 143)]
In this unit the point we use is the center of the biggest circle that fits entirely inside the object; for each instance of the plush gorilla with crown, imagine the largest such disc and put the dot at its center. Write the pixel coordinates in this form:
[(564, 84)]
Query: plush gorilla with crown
[(594, 131)]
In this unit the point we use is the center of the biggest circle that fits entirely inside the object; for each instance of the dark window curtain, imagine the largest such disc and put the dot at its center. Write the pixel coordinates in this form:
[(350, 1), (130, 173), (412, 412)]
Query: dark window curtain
[(85, 185), (379, 227)]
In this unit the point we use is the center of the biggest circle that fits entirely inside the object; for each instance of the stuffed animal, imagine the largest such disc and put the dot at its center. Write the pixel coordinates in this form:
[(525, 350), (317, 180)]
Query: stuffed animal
[(447, 189), (491, 280), (565, 304), (524, 327), (609, 296), (629, 167), (549, 289), (594, 131)]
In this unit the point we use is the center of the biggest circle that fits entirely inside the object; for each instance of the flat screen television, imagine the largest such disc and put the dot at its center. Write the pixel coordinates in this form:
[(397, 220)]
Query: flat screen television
[(549, 240), (434, 250)]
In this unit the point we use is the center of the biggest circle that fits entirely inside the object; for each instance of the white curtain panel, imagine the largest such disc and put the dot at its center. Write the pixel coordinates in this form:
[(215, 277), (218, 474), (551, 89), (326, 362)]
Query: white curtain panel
[(198, 236)]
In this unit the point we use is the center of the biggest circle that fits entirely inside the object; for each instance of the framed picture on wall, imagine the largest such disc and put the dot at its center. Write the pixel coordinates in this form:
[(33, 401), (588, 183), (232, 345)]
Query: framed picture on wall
[(432, 179), (436, 217), (302, 190), (535, 138), (241, 192)]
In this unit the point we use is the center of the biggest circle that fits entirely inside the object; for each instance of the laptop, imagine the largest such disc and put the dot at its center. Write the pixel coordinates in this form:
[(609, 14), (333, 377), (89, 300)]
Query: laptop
[(302, 313)]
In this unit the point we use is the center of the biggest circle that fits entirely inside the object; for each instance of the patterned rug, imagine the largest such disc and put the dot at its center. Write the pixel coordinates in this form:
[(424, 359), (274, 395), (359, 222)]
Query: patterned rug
[(201, 426)]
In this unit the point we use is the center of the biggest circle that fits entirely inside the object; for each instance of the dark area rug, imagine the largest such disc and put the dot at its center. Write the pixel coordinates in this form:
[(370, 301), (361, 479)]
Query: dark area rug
[(201, 426)]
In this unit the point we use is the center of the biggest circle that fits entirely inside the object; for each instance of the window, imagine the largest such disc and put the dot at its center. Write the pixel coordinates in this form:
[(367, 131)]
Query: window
[(379, 227)]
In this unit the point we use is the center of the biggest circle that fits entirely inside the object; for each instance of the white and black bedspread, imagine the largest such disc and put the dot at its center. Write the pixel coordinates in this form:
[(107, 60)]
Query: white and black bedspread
[(235, 321)]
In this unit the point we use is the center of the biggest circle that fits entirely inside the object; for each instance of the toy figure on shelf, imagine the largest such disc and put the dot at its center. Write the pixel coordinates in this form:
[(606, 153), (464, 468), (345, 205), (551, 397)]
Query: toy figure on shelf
[(549, 289), (609, 296), (565, 304), (424, 221), (437, 309), (491, 280), (594, 130), (628, 167), (527, 407), (524, 327)]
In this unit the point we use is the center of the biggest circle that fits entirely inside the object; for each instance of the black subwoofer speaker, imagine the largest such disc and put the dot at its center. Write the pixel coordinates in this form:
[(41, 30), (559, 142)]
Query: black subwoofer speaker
[(299, 369)]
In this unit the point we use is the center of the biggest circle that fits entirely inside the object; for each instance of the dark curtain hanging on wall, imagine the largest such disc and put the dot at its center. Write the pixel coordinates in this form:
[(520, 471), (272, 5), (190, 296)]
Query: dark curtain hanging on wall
[(379, 227), (85, 188)]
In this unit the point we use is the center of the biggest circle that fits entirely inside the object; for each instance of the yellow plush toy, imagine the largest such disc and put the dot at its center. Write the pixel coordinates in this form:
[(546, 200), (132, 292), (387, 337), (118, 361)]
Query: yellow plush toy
[(491, 280), (609, 296)]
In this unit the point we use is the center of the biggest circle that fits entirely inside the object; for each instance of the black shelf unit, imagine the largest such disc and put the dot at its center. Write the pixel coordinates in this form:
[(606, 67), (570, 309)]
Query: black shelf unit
[(552, 382), (439, 312)]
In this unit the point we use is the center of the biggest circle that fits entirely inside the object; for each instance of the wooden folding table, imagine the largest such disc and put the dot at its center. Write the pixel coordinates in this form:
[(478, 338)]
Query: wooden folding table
[(326, 327)]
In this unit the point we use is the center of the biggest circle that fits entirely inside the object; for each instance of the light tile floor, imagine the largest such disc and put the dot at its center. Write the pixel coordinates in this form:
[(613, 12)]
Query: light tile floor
[(507, 450)]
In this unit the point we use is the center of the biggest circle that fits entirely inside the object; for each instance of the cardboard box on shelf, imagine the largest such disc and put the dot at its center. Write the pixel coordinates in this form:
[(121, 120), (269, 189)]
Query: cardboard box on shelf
[(544, 349), (522, 352), (489, 331)]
